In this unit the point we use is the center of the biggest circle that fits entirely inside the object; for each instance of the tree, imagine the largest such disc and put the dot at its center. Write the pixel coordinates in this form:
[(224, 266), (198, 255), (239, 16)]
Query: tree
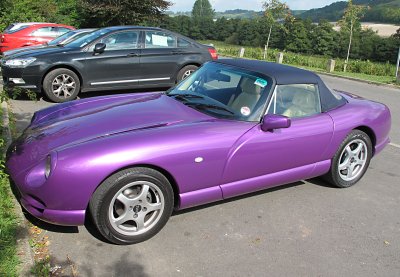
[(297, 39), (122, 12), (202, 10), (203, 19), (324, 39), (351, 17), (273, 11)]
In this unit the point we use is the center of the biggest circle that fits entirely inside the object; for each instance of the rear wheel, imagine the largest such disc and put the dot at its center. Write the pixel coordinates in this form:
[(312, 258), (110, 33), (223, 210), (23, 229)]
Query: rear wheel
[(61, 85), (186, 72), (132, 205), (351, 161)]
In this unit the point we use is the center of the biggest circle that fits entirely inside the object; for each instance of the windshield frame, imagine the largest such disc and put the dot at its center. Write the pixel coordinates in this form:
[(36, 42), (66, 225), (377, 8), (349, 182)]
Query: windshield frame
[(82, 42), (261, 104)]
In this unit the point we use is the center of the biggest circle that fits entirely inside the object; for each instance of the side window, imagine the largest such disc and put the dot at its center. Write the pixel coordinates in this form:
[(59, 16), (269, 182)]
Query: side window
[(43, 32), (156, 39), (182, 43), (61, 30), (297, 100), (121, 40)]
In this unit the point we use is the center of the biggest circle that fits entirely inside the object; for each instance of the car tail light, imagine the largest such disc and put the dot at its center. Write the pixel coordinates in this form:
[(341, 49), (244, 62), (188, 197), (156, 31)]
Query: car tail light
[(213, 53), (2, 38)]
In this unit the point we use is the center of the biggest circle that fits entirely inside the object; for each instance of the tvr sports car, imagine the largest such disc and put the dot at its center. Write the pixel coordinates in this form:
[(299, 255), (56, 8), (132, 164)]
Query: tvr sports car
[(231, 128)]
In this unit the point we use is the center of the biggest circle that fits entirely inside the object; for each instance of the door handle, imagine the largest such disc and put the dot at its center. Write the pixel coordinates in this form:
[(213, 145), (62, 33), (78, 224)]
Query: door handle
[(133, 55)]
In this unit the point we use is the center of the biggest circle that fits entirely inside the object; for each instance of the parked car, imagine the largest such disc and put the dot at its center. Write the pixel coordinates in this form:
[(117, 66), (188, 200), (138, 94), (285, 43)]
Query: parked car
[(59, 41), (33, 34), (108, 59), (231, 128)]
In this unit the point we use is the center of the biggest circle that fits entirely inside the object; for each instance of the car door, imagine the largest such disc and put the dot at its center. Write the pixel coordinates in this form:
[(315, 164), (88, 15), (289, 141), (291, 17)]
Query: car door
[(159, 59), (118, 65), (261, 159)]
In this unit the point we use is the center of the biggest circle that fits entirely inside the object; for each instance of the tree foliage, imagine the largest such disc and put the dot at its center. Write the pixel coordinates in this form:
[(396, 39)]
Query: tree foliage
[(101, 13)]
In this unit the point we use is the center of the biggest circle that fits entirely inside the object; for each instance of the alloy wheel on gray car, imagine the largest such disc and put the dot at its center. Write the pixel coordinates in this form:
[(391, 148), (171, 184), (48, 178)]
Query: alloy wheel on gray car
[(61, 85)]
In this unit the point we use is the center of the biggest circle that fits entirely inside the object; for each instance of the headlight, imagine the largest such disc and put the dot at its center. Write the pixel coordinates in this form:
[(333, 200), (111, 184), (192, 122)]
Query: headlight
[(47, 169), (19, 63)]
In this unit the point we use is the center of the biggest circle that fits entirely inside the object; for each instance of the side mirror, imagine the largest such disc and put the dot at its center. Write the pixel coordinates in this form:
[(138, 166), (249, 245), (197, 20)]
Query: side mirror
[(99, 48), (273, 121)]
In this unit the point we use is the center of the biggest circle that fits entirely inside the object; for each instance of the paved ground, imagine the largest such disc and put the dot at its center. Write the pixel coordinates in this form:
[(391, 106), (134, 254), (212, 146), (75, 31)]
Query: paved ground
[(303, 229)]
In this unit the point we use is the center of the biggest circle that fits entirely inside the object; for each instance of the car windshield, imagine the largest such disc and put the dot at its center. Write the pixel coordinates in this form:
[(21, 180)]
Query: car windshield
[(225, 92), (88, 38), (61, 38)]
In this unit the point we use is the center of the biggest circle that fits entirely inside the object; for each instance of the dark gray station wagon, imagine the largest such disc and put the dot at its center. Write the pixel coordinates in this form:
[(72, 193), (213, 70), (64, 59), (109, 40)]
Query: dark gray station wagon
[(111, 58)]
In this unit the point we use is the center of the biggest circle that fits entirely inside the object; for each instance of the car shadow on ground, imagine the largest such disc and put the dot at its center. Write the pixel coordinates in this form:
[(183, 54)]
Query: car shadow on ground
[(91, 228)]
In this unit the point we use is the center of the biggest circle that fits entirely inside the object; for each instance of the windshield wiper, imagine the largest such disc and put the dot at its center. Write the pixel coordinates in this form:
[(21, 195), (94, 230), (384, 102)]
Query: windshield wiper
[(209, 106), (185, 96)]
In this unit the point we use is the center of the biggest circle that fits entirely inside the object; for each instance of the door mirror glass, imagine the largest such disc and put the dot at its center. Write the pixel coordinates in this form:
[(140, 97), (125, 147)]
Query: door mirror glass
[(99, 48), (272, 122)]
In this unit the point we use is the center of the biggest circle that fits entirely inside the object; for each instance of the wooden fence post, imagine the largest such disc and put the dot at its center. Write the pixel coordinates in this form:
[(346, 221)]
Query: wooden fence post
[(279, 57), (241, 52), (331, 65)]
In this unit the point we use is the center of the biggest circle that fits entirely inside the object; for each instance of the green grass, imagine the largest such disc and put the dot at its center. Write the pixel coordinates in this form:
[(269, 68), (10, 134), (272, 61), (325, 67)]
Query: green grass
[(9, 260), (364, 70)]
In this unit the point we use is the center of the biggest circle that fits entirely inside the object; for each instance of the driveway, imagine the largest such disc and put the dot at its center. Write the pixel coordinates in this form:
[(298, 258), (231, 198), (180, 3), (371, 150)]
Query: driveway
[(302, 229)]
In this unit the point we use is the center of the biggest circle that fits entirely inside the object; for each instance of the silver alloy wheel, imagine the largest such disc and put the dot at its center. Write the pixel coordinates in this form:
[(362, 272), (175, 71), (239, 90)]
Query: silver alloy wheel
[(352, 160), (63, 86), (187, 74), (136, 208)]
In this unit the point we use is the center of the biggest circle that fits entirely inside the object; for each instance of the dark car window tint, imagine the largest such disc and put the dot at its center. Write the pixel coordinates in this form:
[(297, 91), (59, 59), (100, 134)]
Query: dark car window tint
[(156, 39), (183, 43), (297, 100), (121, 40)]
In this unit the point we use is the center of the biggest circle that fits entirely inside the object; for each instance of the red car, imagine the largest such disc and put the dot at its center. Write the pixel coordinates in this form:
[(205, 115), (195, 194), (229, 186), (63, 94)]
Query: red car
[(31, 35)]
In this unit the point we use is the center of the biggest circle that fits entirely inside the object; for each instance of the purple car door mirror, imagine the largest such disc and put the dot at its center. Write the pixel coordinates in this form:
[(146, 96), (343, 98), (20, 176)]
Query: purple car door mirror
[(272, 121)]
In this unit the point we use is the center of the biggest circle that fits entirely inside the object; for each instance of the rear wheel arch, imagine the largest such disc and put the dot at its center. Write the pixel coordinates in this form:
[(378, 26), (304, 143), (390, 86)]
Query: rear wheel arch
[(183, 66), (371, 135)]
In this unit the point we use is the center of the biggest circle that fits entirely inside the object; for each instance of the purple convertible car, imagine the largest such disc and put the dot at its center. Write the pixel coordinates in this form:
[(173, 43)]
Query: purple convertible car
[(233, 127)]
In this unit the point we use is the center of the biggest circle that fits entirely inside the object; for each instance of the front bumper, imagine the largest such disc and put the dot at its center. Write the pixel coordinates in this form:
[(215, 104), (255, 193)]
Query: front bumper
[(38, 209), (18, 77)]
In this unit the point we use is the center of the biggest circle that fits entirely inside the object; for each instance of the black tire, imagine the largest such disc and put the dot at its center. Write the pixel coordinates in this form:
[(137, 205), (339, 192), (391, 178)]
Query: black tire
[(339, 177), (105, 196), (185, 72), (72, 80)]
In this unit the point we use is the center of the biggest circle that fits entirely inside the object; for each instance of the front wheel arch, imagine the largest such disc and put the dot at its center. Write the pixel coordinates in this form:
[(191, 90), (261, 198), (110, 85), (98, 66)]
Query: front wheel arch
[(163, 171), (73, 69)]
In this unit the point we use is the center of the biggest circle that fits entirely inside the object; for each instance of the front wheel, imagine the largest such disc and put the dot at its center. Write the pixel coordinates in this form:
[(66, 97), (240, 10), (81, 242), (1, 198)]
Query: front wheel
[(132, 205), (351, 161), (61, 85)]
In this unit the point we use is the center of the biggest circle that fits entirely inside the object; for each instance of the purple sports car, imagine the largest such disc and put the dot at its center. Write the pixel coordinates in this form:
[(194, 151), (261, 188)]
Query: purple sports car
[(233, 127)]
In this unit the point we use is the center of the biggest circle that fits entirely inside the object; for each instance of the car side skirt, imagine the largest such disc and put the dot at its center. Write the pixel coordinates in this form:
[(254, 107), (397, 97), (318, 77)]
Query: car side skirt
[(225, 191)]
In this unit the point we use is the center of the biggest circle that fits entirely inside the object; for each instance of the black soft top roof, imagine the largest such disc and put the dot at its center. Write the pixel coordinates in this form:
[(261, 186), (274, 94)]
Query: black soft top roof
[(286, 75)]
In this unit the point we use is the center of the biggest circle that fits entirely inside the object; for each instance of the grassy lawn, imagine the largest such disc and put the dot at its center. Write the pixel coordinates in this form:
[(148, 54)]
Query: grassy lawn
[(8, 221)]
